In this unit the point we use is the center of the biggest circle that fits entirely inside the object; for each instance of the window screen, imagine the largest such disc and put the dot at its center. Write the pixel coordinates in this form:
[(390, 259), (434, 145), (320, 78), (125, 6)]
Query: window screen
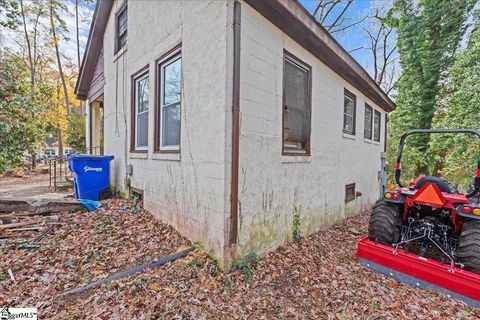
[(122, 29), (141, 111), (170, 103), (349, 105), (377, 125), (296, 107), (367, 132)]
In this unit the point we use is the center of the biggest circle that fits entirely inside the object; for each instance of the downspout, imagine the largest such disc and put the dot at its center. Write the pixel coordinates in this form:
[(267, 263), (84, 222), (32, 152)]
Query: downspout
[(235, 124)]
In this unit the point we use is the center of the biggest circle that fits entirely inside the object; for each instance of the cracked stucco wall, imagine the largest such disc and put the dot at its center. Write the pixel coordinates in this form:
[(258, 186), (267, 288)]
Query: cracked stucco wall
[(273, 186), (186, 190), (191, 190)]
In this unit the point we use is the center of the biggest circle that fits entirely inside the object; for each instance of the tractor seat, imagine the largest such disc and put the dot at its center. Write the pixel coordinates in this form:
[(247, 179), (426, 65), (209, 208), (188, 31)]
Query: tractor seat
[(442, 184)]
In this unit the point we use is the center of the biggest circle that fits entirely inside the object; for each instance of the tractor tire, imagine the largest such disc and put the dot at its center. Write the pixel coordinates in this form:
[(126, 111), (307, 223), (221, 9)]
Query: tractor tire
[(385, 223), (468, 251)]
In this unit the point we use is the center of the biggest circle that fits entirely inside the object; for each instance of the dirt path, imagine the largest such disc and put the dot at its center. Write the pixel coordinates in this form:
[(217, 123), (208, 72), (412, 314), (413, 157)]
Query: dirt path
[(32, 186)]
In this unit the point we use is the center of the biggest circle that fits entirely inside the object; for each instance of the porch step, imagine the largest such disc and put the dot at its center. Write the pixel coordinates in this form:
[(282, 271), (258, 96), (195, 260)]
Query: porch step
[(38, 206)]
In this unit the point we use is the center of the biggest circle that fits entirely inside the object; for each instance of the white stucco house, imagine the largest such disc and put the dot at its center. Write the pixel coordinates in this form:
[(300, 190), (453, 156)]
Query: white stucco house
[(239, 122)]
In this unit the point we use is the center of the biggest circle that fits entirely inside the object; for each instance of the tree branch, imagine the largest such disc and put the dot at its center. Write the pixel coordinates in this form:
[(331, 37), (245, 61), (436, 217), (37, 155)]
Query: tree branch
[(334, 24), (356, 49), (334, 4)]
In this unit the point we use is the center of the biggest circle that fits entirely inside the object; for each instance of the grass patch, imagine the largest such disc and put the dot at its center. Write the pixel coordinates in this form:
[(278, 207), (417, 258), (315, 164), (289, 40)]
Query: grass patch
[(247, 265)]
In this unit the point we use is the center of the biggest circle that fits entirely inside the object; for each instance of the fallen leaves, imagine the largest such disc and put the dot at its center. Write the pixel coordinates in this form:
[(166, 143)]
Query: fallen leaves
[(316, 277), (85, 248)]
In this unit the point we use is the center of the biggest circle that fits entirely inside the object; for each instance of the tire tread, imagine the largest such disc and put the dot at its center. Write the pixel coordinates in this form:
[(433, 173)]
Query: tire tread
[(468, 250), (384, 221)]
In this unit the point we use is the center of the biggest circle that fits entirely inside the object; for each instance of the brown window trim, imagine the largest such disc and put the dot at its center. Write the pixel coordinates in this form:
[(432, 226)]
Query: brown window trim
[(116, 49), (177, 49), (352, 96), (376, 112), (293, 58), (349, 196), (369, 107), (134, 76)]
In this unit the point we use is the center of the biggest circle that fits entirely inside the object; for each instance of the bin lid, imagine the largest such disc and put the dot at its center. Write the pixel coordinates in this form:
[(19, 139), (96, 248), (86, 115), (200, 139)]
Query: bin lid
[(89, 157)]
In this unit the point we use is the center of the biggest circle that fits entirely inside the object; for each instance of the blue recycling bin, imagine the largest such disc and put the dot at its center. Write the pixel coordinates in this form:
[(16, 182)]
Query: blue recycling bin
[(91, 176)]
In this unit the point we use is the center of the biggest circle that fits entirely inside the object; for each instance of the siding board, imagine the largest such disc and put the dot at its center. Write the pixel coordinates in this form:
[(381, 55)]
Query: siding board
[(98, 80)]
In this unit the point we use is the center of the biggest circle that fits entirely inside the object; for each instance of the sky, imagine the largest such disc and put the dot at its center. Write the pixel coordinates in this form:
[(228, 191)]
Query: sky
[(354, 37), (350, 40), (69, 48)]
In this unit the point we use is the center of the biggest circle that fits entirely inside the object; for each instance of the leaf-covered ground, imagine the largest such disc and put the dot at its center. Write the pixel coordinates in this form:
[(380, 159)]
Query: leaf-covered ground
[(315, 278)]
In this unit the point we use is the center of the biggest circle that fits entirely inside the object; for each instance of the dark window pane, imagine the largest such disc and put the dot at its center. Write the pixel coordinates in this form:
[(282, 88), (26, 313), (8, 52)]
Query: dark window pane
[(172, 82), (368, 123), (122, 29), (296, 122), (349, 115), (142, 95), (142, 129), (377, 126), (141, 110), (122, 21), (348, 124), (122, 41), (171, 125)]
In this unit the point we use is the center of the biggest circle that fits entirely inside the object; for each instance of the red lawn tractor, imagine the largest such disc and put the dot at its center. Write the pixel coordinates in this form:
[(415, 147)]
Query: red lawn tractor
[(427, 234)]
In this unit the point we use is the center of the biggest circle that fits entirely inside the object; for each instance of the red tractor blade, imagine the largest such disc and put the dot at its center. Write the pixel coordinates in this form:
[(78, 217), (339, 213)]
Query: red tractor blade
[(420, 272)]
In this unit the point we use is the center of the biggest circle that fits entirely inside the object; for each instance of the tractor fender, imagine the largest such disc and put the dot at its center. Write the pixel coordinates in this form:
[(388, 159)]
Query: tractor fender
[(471, 216), (401, 199)]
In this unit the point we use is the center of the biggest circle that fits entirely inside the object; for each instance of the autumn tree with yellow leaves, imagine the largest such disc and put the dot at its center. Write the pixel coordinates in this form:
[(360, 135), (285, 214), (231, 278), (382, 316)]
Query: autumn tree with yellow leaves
[(37, 81)]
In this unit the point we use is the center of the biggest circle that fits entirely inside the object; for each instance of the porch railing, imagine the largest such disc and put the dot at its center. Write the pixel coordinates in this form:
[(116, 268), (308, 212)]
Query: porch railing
[(58, 169)]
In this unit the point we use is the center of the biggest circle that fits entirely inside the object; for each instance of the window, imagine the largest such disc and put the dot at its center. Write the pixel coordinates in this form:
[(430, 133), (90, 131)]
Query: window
[(296, 106), (349, 192), (121, 30), (140, 100), (169, 72), (377, 122), (367, 130), (349, 111)]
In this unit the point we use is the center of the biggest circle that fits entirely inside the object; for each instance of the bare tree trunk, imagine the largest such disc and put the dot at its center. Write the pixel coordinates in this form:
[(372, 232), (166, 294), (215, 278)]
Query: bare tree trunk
[(60, 143), (31, 67), (59, 62), (29, 51), (78, 33), (34, 160), (382, 52), (78, 49), (55, 104)]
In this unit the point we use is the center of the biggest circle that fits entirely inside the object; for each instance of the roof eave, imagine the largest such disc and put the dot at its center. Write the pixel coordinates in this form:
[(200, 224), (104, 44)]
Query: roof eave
[(289, 16), (93, 48), (294, 20)]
